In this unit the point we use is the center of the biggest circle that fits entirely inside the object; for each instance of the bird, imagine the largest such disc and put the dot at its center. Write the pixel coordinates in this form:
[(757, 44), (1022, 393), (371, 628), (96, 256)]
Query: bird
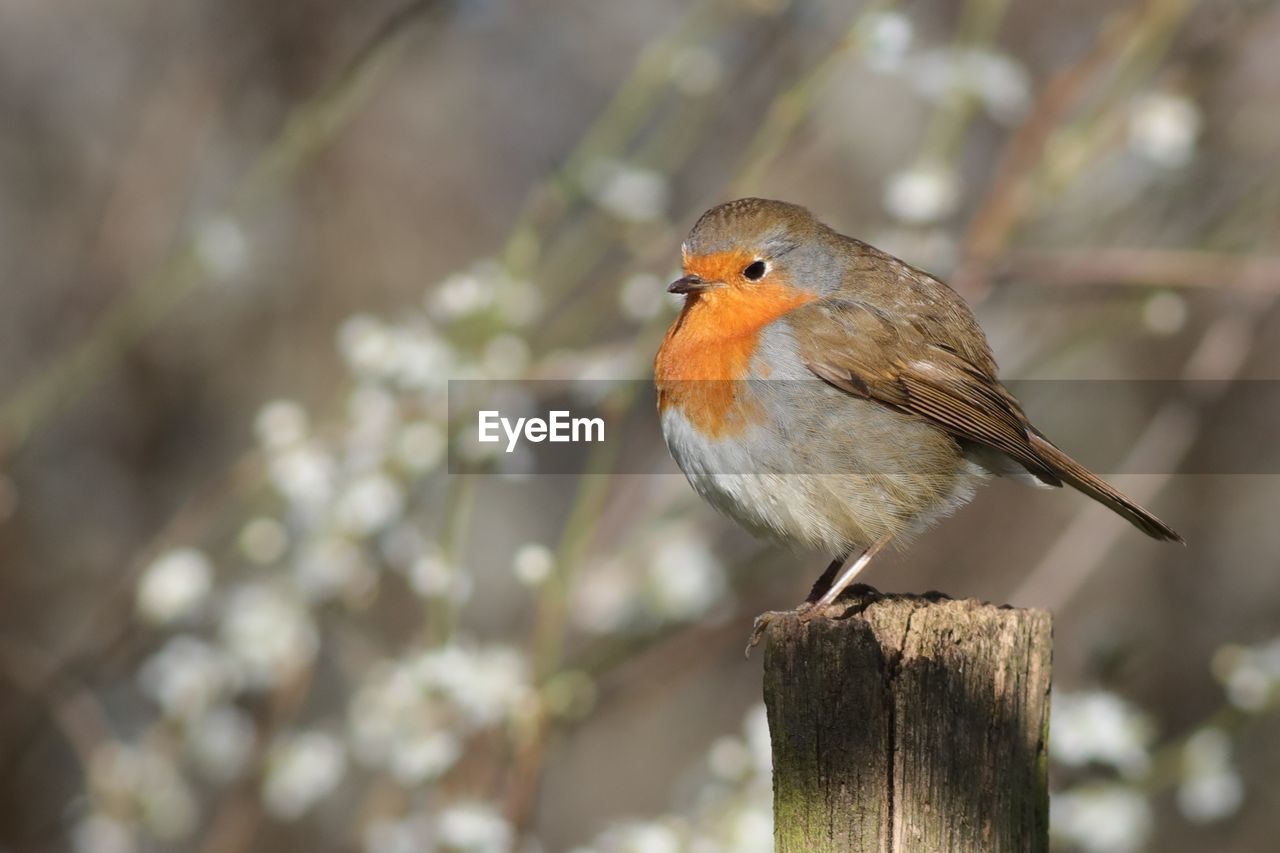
[(824, 393)]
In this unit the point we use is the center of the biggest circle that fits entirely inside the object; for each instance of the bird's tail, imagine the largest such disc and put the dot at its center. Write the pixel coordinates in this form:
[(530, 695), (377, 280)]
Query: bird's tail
[(1075, 474)]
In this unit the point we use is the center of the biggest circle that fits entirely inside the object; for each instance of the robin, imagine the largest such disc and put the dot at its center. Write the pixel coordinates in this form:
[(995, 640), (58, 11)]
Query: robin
[(824, 393)]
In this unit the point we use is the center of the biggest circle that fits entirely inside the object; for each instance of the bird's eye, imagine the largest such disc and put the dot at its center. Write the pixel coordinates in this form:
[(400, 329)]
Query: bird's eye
[(755, 270)]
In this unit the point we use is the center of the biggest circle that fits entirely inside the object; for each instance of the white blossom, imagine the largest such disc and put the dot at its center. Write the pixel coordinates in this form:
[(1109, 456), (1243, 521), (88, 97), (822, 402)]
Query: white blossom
[(281, 424), (629, 192), (463, 294), (642, 297), (220, 743), (604, 597), (641, 837), (187, 676), (596, 370), (148, 782), (366, 344), (475, 827), (521, 302), (1163, 127), (222, 247), (174, 586), (1104, 818), (1097, 726), (403, 544), (756, 728), (922, 194), (1250, 687), (729, 758), (533, 563), (374, 418), (420, 446), (425, 756), (1251, 674), (421, 361), (1165, 312), (885, 38), (264, 540), (270, 634), (369, 504), (302, 769), (486, 287), (505, 357), (486, 684), (396, 724), (430, 575), (999, 82), (412, 834), (99, 833), (752, 830), (304, 475), (734, 813), (331, 566), (697, 70), (1211, 789), (684, 574), (411, 356)]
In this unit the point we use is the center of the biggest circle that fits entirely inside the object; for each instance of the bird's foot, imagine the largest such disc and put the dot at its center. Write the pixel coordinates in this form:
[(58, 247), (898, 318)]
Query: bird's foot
[(804, 612)]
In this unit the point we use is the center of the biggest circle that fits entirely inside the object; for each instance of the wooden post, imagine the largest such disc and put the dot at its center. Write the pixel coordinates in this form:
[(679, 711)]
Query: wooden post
[(907, 724)]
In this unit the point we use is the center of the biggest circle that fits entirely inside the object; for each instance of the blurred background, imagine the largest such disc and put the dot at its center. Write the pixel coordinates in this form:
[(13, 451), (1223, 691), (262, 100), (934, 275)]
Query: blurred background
[(243, 246)]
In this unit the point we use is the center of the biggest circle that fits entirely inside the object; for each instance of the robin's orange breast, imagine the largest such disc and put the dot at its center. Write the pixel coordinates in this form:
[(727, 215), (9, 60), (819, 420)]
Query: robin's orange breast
[(709, 348)]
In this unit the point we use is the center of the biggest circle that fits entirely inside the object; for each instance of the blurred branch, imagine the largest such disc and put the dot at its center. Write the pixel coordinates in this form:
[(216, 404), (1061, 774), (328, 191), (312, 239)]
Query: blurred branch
[(135, 312), (1010, 198), (1143, 268), (978, 28), (441, 615), (240, 811), (1221, 353), (551, 627), (70, 708), (1167, 760), (609, 134), (791, 107), (1009, 194)]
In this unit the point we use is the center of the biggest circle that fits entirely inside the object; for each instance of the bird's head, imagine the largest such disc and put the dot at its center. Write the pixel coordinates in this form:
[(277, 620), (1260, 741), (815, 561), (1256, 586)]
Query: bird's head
[(756, 245)]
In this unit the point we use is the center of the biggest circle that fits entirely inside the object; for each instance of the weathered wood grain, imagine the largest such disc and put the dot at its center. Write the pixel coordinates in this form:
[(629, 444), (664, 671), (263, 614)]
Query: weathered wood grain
[(906, 724)]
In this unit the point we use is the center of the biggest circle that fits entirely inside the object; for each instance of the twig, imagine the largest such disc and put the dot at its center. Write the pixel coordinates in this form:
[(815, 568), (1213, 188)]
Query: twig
[(1009, 196), (72, 709), (1144, 268)]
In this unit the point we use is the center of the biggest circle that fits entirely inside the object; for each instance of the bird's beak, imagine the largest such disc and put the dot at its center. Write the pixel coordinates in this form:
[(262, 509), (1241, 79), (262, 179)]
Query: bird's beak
[(689, 284)]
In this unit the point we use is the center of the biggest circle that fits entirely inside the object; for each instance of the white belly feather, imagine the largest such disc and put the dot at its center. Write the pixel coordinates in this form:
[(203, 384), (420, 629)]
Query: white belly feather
[(746, 476)]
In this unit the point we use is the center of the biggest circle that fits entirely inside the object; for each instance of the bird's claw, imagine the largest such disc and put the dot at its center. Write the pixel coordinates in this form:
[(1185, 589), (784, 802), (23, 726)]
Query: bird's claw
[(805, 612), (758, 628)]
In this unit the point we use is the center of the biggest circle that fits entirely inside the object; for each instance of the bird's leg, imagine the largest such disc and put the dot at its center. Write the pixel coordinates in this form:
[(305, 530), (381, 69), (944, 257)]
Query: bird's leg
[(848, 572), (820, 586), (823, 583), (825, 591)]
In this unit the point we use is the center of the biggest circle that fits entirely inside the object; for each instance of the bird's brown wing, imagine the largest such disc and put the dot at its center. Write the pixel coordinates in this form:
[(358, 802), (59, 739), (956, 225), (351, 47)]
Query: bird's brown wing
[(859, 349)]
